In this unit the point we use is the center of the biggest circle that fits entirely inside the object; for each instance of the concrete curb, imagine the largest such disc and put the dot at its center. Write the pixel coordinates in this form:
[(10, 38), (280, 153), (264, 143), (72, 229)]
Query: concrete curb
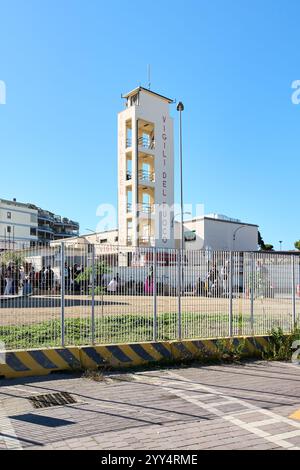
[(34, 362)]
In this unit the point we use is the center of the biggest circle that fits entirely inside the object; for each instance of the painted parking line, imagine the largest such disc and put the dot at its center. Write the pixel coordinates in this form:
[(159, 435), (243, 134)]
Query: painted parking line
[(295, 415), (186, 388)]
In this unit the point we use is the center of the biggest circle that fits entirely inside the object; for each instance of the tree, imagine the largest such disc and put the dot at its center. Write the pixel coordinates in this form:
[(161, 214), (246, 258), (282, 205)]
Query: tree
[(297, 245), (261, 242), (262, 245), (99, 270), (269, 247), (14, 257)]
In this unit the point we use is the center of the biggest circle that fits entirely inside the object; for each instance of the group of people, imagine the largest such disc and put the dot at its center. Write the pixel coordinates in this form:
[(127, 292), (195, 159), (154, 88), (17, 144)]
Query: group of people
[(22, 280), (216, 281), (13, 278)]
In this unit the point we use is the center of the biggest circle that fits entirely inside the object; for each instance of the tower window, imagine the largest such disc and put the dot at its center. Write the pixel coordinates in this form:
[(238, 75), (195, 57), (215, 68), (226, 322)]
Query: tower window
[(134, 100)]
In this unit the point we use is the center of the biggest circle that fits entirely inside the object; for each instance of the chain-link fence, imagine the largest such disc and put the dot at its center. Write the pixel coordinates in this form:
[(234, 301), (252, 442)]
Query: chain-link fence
[(80, 294)]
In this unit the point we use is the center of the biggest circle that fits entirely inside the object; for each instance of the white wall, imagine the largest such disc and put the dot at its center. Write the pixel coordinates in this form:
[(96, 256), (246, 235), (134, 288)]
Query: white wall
[(216, 234), (219, 235)]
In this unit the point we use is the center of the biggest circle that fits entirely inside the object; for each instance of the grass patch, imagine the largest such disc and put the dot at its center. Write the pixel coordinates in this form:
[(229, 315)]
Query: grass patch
[(124, 328), (110, 329), (280, 346)]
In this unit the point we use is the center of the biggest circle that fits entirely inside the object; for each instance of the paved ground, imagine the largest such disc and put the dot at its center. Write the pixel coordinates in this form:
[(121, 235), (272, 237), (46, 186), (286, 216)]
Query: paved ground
[(214, 407)]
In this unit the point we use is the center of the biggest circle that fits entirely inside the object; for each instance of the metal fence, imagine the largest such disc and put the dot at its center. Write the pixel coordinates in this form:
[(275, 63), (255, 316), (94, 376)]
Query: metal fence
[(80, 294)]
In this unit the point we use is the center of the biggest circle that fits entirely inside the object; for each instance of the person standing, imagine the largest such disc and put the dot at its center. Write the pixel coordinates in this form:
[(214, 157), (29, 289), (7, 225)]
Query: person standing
[(8, 282), (49, 278), (41, 279), (149, 283), (112, 286)]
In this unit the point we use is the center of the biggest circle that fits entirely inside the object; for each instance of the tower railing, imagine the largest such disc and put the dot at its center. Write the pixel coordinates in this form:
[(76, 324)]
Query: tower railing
[(147, 208), (147, 176), (146, 142)]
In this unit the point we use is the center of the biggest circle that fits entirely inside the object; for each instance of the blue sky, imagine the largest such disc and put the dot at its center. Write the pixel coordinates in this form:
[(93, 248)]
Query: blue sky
[(65, 64)]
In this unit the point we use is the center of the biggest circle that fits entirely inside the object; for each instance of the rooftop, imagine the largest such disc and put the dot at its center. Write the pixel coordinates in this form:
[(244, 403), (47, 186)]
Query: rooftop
[(146, 90), (218, 218)]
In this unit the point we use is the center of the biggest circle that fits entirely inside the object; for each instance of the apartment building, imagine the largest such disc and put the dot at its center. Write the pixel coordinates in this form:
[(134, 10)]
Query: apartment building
[(18, 225), (23, 225)]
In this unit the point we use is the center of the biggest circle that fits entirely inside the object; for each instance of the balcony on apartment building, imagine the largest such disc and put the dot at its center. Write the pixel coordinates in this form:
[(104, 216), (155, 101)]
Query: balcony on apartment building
[(55, 220)]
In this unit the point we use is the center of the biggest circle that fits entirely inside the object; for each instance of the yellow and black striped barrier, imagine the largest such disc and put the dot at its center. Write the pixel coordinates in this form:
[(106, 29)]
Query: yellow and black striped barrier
[(22, 363)]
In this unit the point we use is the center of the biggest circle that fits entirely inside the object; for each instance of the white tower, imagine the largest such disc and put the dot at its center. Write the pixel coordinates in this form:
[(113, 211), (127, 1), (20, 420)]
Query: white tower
[(146, 170)]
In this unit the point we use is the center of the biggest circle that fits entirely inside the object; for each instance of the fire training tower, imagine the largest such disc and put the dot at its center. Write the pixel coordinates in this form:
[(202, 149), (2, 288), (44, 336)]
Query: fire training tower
[(145, 170)]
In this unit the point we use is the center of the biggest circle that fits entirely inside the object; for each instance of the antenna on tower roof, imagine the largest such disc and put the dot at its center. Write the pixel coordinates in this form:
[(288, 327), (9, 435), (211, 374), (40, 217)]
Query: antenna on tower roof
[(149, 76)]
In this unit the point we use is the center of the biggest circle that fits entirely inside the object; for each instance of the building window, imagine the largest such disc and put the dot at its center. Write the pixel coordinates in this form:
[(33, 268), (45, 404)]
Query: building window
[(8, 229), (9, 215), (33, 218), (116, 239), (104, 240), (134, 100), (33, 231)]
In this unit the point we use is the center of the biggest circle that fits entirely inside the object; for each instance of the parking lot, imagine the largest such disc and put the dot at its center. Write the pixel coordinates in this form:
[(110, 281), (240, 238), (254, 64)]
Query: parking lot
[(255, 405)]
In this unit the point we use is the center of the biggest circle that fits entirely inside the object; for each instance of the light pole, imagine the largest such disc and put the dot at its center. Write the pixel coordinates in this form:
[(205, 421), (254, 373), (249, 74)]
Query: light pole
[(234, 234), (180, 108), (179, 213), (280, 245)]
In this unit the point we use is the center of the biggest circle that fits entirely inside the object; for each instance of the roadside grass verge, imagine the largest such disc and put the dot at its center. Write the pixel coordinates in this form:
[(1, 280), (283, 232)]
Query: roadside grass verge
[(127, 328), (110, 329)]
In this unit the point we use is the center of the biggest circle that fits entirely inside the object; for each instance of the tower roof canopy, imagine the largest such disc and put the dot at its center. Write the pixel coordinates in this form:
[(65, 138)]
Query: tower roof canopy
[(146, 90)]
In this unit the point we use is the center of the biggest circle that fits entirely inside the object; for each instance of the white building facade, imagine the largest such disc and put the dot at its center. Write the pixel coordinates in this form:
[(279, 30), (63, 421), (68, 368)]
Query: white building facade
[(217, 232), (23, 225), (18, 225), (145, 170)]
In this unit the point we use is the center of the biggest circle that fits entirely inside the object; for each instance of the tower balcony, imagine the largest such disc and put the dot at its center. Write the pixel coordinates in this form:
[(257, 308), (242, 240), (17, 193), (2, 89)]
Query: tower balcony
[(146, 210), (146, 176), (146, 142)]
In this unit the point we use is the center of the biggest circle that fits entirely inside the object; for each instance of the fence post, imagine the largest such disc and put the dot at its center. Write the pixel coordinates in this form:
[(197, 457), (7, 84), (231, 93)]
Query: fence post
[(230, 329), (154, 295), (62, 292), (93, 294), (252, 295), (179, 254), (293, 291)]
